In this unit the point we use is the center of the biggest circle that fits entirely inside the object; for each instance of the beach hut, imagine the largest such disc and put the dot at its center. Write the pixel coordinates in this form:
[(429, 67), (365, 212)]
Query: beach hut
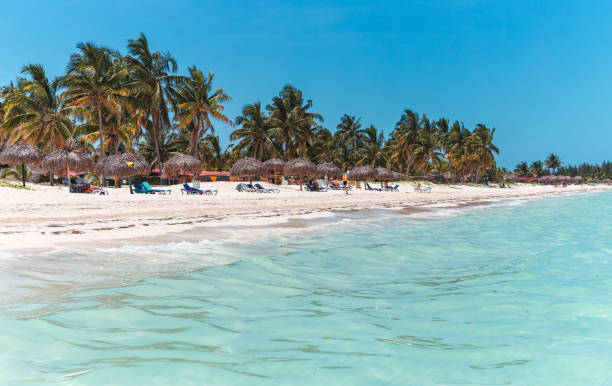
[(300, 167), (248, 167), (363, 173), (126, 165), (328, 169), (273, 165), (182, 164), (383, 174), (21, 154), (67, 159)]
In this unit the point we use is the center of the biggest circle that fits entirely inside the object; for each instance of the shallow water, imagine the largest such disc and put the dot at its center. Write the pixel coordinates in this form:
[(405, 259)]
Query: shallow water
[(515, 293)]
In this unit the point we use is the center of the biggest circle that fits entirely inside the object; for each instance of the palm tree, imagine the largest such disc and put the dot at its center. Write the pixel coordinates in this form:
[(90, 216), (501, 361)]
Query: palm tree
[(292, 124), (536, 169), (482, 149), (350, 128), (403, 138), (323, 146), (94, 80), (150, 81), (196, 104), (36, 112), (373, 151), (455, 146), (212, 153), (254, 136), (522, 170), (553, 162)]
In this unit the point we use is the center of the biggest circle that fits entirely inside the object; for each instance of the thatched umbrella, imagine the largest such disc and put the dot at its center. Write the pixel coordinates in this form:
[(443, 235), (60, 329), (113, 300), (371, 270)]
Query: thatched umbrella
[(248, 166), (21, 154), (362, 173), (65, 160), (126, 165), (300, 167), (182, 164), (397, 176), (328, 169), (274, 164), (577, 179), (384, 174)]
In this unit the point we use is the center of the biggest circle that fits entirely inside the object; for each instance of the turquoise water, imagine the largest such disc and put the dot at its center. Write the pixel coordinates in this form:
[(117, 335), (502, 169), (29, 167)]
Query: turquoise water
[(513, 293)]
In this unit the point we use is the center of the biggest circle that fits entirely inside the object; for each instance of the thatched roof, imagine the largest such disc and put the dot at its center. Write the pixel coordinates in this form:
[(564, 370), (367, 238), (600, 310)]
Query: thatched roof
[(59, 161), (328, 169), (384, 174), (123, 166), (397, 176), (247, 167), (577, 178), (21, 153), (300, 167), (274, 164), (363, 173), (182, 164), (511, 177)]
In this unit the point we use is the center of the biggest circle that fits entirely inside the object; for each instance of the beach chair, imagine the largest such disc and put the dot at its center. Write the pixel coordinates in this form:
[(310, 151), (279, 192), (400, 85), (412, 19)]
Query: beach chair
[(150, 190), (139, 189), (368, 187), (311, 188), (426, 189), (242, 187), (254, 189), (189, 190), (259, 187), (392, 189)]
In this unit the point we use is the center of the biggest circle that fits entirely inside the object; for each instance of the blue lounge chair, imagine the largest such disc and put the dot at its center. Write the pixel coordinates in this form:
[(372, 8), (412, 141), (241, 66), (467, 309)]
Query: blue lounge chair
[(393, 189), (150, 190), (242, 187), (264, 190), (368, 187), (311, 188), (189, 190), (138, 188)]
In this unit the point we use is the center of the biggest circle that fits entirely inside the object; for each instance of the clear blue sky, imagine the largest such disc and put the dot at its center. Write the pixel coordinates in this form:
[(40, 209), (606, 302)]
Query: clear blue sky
[(537, 71)]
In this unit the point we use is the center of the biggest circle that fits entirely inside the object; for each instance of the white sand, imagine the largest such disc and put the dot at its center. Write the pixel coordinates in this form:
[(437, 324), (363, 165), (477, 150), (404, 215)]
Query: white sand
[(49, 217)]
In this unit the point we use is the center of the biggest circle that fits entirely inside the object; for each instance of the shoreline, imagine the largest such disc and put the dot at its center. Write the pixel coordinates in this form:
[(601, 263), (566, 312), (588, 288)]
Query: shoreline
[(49, 218)]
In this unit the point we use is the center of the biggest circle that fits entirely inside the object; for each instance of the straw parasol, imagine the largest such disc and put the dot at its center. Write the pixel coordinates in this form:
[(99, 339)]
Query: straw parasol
[(21, 153), (300, 167), (362, 173), (383, 174), (182, 164), (126, 165), (328, 169), (397, 176), (65, 160), (577, 179), (274, 164), (248, 166)]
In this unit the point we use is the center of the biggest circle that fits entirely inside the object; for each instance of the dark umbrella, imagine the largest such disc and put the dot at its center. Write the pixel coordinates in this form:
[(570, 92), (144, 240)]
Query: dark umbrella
[(274, 164), (328, 169), (384, 174), (182, 164), (21, 153), (126, 165), (300, 167), (248, 167), (65, 160)]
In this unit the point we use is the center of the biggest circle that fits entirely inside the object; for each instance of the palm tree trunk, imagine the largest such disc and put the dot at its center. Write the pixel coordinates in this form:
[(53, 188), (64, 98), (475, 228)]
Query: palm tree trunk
[(156, 132), (101, 135), (23, 174)]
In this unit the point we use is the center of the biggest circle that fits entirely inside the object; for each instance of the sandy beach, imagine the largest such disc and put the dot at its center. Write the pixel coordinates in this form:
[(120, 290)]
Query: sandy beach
[(49, 217)]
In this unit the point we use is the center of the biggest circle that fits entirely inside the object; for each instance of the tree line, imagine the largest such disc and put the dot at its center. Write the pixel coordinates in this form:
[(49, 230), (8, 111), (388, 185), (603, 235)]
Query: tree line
[(553, 165), (138, 102)]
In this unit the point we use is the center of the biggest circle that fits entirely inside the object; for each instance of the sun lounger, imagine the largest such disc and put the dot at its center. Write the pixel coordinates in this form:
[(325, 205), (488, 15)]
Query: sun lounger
[(259, 187), (150, 190), (311, 188), (139, 189), (368, 187), (426, 189), (392, 189), (190, 190), (242, 187)]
